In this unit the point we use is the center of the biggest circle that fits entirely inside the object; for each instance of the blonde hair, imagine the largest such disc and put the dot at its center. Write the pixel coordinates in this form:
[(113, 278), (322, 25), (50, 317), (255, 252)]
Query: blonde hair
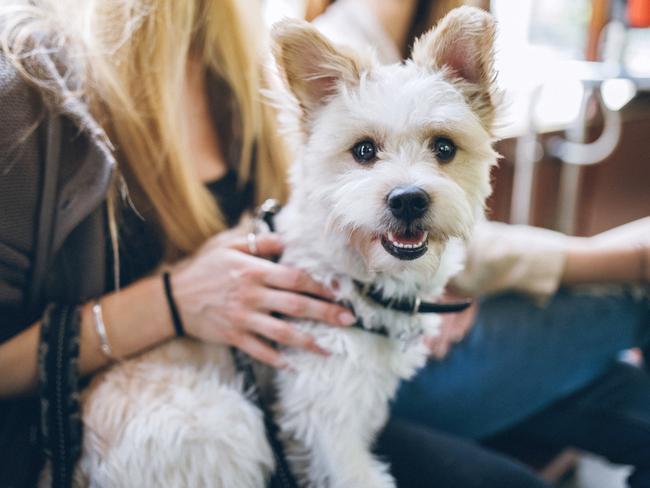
[(130, 59)]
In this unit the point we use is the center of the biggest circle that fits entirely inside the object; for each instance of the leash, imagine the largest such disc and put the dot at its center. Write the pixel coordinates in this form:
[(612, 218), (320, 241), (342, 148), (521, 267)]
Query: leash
[(282, 477)]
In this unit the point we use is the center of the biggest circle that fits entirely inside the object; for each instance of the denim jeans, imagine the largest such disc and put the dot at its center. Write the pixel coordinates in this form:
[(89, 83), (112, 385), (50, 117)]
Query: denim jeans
[(553, 372), (421, 458)]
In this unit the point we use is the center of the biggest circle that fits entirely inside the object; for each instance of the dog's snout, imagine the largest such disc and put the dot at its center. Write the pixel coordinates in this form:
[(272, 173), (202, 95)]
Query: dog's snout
[(408, 202)]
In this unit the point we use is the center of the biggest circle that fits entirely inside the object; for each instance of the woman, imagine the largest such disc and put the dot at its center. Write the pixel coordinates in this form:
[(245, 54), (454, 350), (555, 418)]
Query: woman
[(132, 137)]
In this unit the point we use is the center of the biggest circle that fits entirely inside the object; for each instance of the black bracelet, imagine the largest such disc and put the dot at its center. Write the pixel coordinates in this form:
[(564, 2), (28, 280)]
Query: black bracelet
[(176, 318)]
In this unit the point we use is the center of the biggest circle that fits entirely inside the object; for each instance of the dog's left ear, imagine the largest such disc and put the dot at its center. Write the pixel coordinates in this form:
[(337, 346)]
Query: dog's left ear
[(312, 66), (463, 43)]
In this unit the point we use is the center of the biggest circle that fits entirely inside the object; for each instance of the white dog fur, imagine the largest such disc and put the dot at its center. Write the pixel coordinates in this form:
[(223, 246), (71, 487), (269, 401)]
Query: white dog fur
[(177, 416)]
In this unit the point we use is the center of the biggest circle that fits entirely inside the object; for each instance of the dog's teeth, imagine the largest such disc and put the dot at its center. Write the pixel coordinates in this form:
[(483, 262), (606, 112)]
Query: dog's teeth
[(403, 245)]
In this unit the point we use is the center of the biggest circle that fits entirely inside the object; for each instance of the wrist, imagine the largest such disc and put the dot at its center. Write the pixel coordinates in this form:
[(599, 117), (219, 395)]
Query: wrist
[(138, 317)]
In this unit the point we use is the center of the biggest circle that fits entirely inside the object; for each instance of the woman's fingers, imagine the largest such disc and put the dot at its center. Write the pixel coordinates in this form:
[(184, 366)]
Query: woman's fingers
[(463, 323), (453, 329), (283, 333), (304, 307), (294, 279), (438, 346), (265, 245), (278, 275), (260, 350)]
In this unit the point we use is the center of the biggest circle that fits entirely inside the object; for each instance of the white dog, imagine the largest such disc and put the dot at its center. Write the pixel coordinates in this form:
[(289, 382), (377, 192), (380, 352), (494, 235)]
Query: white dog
[(391, 176)]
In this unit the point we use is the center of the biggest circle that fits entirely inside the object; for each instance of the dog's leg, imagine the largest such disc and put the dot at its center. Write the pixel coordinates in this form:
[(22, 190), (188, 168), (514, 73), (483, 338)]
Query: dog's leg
[(171, 418), (331, 409)]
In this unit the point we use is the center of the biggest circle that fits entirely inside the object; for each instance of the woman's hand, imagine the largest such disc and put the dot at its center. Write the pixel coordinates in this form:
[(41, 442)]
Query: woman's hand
[(225, 295), (453, 328)]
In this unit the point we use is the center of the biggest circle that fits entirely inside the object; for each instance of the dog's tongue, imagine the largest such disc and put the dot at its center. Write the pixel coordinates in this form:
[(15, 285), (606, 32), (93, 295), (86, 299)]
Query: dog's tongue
[(411, 238)]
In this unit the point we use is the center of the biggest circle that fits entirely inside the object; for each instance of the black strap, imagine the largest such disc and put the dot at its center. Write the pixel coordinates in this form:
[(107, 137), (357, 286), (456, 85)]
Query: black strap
[(282, 477), (60, 419), (61, 428)]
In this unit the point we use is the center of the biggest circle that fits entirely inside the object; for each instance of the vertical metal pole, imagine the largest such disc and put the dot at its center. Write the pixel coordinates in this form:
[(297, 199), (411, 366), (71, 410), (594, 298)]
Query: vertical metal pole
[(571, 174), (526, 155), (524, 176)]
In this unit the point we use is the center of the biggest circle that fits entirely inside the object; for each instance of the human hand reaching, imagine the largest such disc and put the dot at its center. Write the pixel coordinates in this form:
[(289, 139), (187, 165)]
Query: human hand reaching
[(453, 329), (227, 295)]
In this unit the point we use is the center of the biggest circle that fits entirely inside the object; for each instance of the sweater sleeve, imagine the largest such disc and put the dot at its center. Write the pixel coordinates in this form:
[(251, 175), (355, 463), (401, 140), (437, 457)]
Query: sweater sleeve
[(513, 257), (20, 181)]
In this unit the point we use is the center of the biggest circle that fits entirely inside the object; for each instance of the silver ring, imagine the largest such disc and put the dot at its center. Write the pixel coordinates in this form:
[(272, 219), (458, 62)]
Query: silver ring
[(251, 239)]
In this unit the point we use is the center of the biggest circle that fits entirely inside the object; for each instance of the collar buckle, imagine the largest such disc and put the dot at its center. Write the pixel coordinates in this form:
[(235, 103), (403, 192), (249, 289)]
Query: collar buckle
[(416, 305)]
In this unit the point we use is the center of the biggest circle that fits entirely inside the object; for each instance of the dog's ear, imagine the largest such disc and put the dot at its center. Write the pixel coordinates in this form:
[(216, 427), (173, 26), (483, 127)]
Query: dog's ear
[(463, 44), (311, 65)]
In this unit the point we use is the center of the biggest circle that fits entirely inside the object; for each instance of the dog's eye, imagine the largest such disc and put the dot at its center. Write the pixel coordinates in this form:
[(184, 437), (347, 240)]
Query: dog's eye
[(444, 149), (364, 151)]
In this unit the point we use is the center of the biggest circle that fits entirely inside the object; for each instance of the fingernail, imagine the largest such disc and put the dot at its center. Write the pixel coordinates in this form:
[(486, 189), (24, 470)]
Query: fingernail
[(346, 318), (281, 364)]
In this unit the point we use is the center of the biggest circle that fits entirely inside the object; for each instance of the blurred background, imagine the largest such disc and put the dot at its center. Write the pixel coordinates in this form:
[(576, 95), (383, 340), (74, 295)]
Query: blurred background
[(575, 132)]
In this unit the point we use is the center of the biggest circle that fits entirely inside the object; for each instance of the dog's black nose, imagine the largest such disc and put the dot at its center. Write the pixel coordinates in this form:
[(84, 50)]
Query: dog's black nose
[(408, 202)]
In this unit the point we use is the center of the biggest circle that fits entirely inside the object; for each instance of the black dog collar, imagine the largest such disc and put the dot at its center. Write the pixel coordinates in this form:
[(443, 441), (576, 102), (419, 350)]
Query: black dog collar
[(411, 305)]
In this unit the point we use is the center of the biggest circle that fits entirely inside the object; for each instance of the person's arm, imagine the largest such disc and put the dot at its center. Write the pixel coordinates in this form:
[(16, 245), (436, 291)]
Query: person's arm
[(138, 319), (537, 261), (587, 262), (224, 296), (502, 257)]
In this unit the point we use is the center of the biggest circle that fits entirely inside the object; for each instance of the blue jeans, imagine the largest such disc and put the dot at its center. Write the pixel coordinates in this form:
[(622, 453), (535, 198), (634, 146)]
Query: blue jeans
[(522, 362)]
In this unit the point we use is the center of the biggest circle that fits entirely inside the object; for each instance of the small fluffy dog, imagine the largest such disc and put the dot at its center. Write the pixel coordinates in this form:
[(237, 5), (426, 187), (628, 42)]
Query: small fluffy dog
[(390, 178)]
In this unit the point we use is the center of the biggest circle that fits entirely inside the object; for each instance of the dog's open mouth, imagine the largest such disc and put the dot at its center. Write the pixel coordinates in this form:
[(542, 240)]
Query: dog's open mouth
[(405, 246)]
